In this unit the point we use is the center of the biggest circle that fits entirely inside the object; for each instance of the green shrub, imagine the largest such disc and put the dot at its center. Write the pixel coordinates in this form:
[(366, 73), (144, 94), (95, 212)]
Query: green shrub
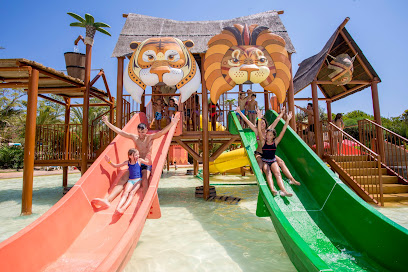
[(11, 157)]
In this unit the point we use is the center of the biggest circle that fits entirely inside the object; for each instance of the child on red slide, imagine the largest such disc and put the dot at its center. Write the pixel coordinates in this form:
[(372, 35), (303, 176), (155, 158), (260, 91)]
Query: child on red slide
[(133, 184)]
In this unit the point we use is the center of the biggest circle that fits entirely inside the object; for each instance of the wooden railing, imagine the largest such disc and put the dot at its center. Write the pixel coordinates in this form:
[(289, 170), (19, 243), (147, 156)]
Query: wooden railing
[(52, 141), (358, 162), (191, 110), (394, 146)]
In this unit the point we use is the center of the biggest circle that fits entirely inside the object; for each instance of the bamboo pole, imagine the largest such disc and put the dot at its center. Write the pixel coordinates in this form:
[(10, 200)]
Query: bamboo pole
[(206, 149), (119, 93), (29, 144), (85, 112)]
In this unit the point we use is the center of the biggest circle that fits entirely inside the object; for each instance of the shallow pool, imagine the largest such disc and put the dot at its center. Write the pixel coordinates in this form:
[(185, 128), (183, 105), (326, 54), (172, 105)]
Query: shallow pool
[(192, 234)]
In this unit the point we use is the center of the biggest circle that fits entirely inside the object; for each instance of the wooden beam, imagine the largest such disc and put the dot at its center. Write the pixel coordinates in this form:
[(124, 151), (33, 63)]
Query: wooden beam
[(309, 98), (328, 82), (14, 85), (99, 97), (189, 150), (91, 105), (61, 78), (291, 97), (355, 53), (119, 93), (206, 151), (377, 119), (222, 148), (52, 100), (107, 87), (349, 91), (317, 131), (60, 89), (85, 111), (96, 77), (17, 69), (29, 144)]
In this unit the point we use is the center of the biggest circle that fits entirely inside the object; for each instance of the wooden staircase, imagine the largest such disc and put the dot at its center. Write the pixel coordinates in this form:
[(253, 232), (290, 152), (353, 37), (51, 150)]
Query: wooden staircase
[(362, 170)]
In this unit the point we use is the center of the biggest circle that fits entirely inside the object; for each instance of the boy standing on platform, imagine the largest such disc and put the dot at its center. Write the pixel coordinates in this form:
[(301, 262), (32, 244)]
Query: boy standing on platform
[(252, 106)]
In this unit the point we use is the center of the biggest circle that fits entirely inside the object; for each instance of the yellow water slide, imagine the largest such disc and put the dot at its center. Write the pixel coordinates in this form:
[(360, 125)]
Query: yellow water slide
[(229, 160)]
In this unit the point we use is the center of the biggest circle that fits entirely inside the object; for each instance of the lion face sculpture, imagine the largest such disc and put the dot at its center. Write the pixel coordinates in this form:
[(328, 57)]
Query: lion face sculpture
[(247, 54), (165, 61)]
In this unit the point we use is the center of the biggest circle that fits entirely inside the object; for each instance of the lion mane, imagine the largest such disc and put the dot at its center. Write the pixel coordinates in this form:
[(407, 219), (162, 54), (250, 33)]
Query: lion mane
[(242, 54)]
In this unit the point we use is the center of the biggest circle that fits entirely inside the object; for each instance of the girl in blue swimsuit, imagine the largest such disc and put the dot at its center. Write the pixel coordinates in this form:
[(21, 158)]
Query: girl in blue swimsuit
[(269, 144), (171, 109), (135, 178)]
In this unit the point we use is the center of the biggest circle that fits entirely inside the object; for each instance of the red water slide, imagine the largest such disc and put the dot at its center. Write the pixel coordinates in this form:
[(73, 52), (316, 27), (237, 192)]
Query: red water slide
[(72, 235)]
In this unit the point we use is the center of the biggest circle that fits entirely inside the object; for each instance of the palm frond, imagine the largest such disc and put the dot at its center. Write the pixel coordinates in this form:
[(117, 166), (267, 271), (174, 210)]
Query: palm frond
[(79, 24), (76, 16), (89, 19), (100, 24), (103, 31)]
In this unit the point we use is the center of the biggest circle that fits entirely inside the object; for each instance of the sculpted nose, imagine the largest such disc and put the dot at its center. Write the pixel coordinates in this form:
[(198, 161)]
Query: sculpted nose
[(249, 69), (160, 71)]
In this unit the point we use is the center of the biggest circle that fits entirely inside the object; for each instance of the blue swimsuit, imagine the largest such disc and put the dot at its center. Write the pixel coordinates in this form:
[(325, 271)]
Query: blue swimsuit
[(135, 173), (158, 115)]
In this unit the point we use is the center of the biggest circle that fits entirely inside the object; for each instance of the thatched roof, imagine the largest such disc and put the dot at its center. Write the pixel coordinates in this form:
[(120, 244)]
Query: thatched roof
[(141, 27), (316, 67)]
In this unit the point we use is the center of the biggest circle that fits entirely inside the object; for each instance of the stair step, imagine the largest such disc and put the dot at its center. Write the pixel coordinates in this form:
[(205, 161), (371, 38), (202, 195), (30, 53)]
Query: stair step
[(365, 171), (345, 158), (358, 164), (370, 179), (389, 189), (395, 197)]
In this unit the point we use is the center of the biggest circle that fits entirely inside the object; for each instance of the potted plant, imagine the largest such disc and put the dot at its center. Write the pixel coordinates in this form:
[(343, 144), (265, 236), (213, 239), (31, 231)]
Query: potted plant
[(75, 62)]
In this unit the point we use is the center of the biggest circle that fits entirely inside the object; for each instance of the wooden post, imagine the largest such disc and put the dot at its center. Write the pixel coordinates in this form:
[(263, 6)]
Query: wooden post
[(329, 120), (66, 141), (142, 106), (195, 162), (377, 118), (119, 93), (85, 111), (29, 143), (291, 98), (111, 120), (317, 131), (266, 98), (206, 149)]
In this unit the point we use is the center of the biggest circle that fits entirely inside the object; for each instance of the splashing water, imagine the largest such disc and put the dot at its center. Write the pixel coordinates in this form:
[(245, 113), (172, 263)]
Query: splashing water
[(76, 49)]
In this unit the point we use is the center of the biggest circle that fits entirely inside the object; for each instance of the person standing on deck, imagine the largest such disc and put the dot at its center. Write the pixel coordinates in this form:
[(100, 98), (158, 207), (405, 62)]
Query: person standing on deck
[(310, 122)]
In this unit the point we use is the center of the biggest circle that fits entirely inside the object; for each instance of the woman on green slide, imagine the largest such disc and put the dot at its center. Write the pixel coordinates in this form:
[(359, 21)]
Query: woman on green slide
[(263, 128), (269, 142)]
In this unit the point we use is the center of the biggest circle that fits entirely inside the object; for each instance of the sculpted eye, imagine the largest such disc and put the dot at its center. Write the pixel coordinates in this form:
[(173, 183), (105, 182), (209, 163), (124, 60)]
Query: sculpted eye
[(149, 56), (235, 60), (172, 55), (262, 60)]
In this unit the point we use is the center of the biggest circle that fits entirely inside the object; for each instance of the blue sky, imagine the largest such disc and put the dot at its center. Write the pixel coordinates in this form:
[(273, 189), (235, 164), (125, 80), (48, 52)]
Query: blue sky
[(39, 31)]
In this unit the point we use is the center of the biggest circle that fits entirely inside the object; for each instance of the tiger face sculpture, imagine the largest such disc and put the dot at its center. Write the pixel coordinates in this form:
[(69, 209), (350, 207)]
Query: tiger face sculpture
[(243, 54), (162, 61)]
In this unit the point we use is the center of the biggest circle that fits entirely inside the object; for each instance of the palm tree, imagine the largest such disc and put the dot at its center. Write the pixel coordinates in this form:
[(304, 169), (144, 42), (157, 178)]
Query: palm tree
[(90, 25)]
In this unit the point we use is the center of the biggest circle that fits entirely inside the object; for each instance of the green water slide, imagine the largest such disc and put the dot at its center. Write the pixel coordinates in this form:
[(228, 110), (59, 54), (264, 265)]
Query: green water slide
[(324, 226)]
